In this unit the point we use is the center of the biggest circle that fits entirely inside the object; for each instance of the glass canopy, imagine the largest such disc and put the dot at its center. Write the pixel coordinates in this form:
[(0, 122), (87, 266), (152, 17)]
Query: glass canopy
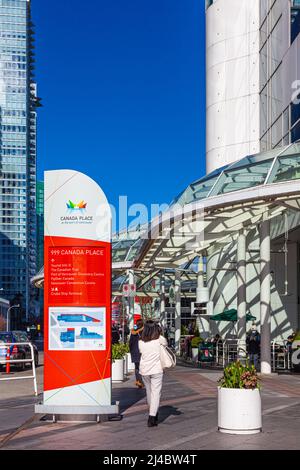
[(127, 244), (274, 166)]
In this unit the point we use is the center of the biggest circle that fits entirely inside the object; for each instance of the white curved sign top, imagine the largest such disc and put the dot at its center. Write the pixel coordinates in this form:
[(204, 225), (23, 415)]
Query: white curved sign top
[(76, 207)]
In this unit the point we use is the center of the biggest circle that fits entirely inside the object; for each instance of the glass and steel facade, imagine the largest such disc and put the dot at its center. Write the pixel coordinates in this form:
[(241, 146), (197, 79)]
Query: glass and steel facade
[(18, 102), (280, 111)]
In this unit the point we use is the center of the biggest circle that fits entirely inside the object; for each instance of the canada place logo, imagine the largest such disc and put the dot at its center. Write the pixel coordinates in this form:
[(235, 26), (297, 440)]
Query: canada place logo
[(76, 214), (76, 207)]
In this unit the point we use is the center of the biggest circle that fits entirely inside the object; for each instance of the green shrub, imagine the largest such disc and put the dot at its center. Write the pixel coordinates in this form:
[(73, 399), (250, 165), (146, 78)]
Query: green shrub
[(184, 330), (236, 375), (117, 351), (297, 336), (196, 341), (197, 332), (124, 347)]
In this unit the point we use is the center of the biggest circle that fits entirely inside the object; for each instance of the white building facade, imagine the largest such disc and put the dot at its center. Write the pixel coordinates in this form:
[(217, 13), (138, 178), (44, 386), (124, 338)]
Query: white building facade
[(252, 69)]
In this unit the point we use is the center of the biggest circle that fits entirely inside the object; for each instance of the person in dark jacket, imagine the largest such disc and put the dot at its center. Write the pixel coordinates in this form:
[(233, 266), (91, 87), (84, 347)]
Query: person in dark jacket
[(115, 336), (126, 333), (134, 351), (253, 343)]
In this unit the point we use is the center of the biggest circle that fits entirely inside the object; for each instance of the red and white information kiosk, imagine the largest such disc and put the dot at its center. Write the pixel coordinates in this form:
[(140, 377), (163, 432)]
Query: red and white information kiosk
[(77, 305)]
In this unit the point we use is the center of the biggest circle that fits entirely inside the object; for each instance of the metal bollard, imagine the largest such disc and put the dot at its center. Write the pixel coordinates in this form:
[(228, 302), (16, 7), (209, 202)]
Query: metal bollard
[(7, 360)]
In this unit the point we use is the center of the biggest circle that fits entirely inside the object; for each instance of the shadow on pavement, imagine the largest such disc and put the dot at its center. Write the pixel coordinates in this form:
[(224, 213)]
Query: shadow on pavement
[(127, 396), (166, 411)]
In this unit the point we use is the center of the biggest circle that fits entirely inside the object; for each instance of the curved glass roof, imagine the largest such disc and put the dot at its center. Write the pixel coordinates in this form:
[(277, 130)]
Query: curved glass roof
[(127, 244), (273, 166)]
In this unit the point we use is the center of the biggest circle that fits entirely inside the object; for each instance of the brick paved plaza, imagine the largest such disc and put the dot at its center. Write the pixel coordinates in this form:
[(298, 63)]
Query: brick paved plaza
[(188, 417)]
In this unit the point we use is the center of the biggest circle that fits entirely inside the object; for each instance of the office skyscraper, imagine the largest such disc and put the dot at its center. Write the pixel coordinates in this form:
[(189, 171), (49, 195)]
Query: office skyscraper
[(40, 223), (18, 103)]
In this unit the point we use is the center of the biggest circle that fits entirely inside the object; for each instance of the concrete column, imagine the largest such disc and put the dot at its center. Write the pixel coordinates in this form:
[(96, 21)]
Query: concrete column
[(200, 278), (201, 321), (130, 280), (162, 294), (210, 276), (265, 297), (241, 295), (177, 311)]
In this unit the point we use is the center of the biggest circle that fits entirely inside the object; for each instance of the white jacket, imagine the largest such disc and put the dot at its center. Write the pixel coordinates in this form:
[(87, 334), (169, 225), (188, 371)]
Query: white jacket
[(150, 356)]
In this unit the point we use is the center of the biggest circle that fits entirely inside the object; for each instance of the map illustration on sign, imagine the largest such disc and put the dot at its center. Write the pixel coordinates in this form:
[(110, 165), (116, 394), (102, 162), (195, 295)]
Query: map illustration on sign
[(76, 318), (77, 328)]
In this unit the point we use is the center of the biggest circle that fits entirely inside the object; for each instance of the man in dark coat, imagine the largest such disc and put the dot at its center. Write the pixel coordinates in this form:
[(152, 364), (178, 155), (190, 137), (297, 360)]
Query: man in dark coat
[(126, 333), (253, 343), (115, 336), (134, 351)]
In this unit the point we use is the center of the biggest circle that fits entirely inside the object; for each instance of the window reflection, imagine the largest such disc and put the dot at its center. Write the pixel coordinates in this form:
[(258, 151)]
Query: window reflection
[(287, 168), (242, 178)]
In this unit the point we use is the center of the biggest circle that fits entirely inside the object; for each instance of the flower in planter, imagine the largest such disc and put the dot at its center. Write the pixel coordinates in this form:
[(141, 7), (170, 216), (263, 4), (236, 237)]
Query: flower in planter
[(237, 375)]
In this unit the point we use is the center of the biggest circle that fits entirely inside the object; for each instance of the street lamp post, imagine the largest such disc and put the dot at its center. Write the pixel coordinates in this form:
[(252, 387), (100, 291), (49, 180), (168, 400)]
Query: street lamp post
[(8, 316)]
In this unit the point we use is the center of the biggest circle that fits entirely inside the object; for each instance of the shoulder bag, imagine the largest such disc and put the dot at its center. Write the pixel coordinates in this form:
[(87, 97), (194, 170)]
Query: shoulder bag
[(167, 357)]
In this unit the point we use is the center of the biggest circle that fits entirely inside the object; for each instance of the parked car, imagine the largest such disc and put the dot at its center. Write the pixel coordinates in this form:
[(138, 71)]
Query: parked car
[(19, 351)]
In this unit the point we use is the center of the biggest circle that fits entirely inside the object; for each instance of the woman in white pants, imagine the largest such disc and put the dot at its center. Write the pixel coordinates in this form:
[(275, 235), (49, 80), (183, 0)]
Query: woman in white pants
[(150, 367)]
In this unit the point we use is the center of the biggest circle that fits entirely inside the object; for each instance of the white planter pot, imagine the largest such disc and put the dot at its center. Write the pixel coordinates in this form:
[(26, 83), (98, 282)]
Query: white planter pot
[(195, 353), (239, 411), (130, 364), (125, 364), (117, 370)]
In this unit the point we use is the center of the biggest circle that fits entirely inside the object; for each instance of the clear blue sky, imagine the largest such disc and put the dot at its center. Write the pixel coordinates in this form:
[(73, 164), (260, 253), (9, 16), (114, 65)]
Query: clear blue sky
[(123, 90)]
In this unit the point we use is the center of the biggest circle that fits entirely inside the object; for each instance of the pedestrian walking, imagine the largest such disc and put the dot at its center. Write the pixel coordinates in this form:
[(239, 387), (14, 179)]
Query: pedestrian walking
[(135, 352), (151, 368)]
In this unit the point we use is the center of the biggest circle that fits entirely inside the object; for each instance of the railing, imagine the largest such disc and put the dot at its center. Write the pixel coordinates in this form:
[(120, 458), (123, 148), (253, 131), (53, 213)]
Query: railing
[(223, 352), (281, 356), (16, 361), (226, 351)]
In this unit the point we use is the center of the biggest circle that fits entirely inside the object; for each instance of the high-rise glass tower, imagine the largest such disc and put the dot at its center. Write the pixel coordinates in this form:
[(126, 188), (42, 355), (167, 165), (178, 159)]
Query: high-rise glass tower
[(40, 223), (18, 103), (40, 243)]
